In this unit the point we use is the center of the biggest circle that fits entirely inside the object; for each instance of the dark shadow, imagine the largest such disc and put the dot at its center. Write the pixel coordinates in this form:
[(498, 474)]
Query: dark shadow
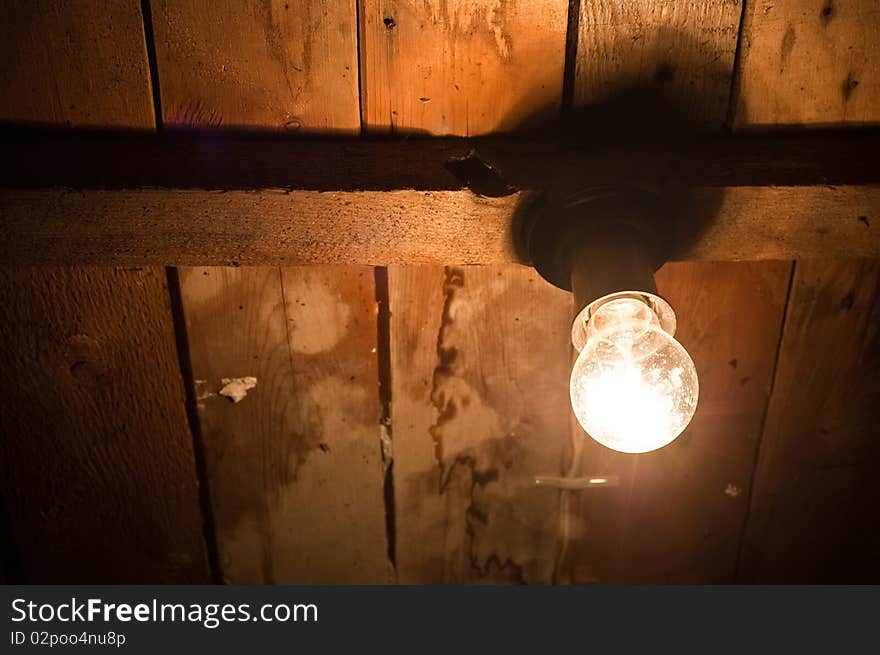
[(660, 112), (40, 156), (11, 570)]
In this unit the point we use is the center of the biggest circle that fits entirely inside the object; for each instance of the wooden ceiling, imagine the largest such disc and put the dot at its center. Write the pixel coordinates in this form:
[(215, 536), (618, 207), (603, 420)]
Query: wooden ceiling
[(401, 413)]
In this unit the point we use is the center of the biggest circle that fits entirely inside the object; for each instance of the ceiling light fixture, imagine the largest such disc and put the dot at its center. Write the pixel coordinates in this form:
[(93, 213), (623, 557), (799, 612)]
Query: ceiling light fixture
[(633, 387)]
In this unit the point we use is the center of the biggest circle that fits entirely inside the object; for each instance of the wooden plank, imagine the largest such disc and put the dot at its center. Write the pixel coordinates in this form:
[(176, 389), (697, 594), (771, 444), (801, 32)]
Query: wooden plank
[(809, 64), (813, 509), (478, 394), (402, 227), (755, 197), (460, 68), (97, 464), (76, 64), (677, 513), (285, 64), (97, 468), (479, 407), (295, 468), (680, 52), (813, 499)]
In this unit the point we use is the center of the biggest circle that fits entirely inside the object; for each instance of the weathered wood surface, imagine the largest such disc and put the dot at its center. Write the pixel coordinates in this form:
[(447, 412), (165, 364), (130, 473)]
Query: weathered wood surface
[(814, 505), (478, 393), (295, 468), (815, 494), (404, 227), (97, 464), (479, 408), (681, 50), (80, 64), (809, 63), (280, 65), (467, 67)]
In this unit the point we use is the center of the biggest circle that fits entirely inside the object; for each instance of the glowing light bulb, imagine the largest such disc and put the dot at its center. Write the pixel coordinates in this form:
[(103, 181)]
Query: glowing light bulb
[(633, 387)]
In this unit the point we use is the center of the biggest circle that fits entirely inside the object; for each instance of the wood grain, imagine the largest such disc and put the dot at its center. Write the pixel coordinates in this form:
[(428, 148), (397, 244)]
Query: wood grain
[(813, 509), (478, 384), (295, 468), (81, 63), (284, 64), (479, 407), (683, 51), (269, 227), (809, 63), (463, 68), (97, 465), (97, 469), (677, 515)]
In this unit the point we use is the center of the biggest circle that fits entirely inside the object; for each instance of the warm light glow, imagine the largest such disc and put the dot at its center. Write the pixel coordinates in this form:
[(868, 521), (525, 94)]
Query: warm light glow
[(633, 388)]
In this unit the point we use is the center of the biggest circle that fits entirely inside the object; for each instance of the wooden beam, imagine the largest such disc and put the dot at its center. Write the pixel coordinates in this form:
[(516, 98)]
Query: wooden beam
[(203, 200), (207, 200), (136, 228)]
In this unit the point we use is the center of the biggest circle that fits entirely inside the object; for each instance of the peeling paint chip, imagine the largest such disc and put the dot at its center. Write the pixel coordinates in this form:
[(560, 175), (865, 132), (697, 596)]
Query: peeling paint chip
[(236, 388), (732, 490)]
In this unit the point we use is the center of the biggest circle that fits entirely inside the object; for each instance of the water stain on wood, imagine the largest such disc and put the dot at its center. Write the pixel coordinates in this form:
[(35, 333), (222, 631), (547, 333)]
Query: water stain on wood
[(444, 403), (498, 412), (271, 457)]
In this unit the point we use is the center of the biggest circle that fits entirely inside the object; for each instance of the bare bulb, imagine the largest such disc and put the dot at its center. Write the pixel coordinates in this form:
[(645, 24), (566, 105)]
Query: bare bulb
[(633, 387)]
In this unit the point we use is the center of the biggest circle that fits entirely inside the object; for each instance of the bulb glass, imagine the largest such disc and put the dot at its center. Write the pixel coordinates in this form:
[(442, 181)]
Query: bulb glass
[(634, 387)]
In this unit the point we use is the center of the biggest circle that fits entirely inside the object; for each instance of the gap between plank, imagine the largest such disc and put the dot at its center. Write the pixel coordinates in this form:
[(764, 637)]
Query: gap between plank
[(147, 15), (383, 356), (192, 416), (358, 22), (733, 95), (572, 35), (760, 441)]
